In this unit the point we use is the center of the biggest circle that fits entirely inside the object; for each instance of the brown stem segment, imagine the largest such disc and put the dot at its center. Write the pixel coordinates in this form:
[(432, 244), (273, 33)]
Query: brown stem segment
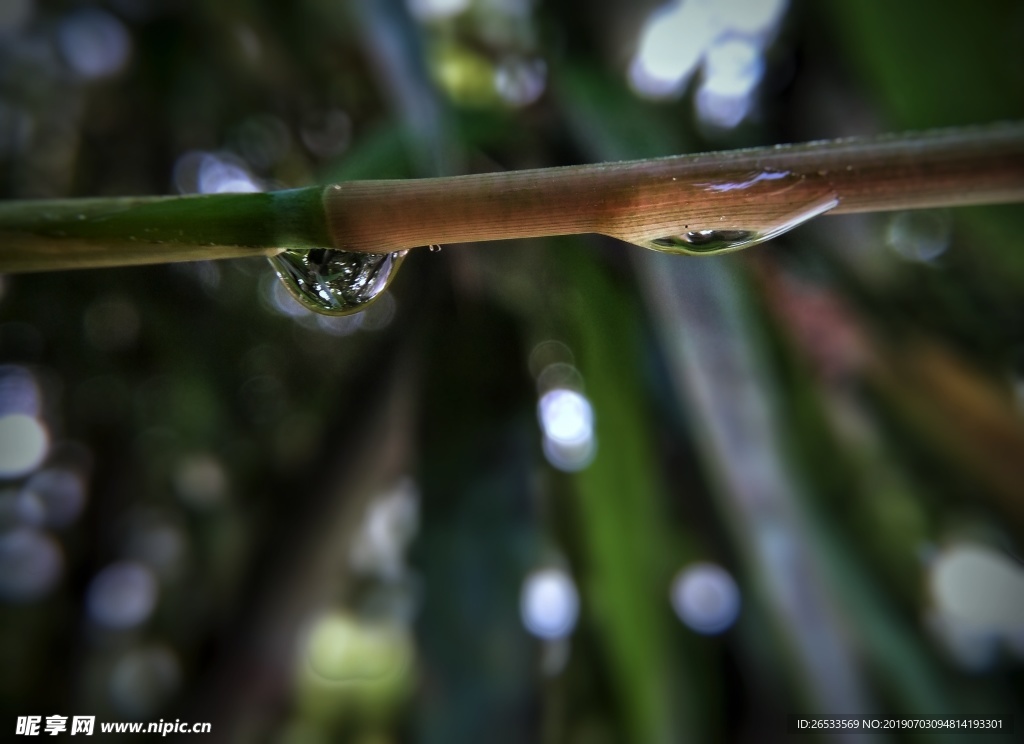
[(749, 190)]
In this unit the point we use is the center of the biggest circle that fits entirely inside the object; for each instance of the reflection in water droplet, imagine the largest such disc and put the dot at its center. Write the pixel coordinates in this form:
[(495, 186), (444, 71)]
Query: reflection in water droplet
[(712, 241), (336, 282), (707, 241)]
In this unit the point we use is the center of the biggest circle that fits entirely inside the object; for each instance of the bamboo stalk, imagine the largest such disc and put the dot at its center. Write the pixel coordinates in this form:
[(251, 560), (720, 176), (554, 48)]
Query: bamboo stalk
[(755, 191), (83, 233), (745, 190)]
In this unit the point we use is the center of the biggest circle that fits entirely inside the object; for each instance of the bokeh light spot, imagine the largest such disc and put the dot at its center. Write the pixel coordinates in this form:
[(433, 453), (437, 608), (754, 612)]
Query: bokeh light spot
[(921, 235), (980, 586), (60, 493), (520, 82), (326, 134), (24, 443), (706, 598), (430, 10), (751, 17), (733, 67), (341, 648), (201, 481), (30, 564), (19, 391), (567, 420), (94, 42), (144, 679), (122, 595), (549, 604), (566, 416), (671, 47)]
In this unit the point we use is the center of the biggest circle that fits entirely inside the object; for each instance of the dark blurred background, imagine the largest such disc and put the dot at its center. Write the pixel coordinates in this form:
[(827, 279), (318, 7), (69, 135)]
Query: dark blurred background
[(557, 490)]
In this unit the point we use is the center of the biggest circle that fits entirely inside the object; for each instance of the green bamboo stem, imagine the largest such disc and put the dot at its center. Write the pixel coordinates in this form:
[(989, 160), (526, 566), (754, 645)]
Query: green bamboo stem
[(81, 233), (754, 190)]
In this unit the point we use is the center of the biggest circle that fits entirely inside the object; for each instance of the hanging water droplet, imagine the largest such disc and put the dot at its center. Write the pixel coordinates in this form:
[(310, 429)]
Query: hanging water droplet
[(334, 282), (706, 241), (435, 248), (715, 240)]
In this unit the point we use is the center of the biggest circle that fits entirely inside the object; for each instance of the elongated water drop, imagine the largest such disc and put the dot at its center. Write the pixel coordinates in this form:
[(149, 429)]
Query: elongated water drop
[(774, 203), (334, 282), (705, 241), (715, 241)]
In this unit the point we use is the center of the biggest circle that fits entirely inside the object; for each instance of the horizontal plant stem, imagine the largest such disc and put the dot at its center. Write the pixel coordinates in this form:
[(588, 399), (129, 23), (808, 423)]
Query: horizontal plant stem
[(750, 190), (755, 190), (81, 233)]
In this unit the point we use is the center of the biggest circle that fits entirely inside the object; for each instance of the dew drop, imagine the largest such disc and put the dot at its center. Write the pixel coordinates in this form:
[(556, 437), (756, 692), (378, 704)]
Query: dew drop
[(713, 241), (707, 241), (334, 282)]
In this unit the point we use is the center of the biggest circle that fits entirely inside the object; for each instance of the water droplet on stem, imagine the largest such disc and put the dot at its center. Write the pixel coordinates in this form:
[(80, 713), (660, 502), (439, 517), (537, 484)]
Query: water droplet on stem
[(785, 203), (706, 241), (333, 282)]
